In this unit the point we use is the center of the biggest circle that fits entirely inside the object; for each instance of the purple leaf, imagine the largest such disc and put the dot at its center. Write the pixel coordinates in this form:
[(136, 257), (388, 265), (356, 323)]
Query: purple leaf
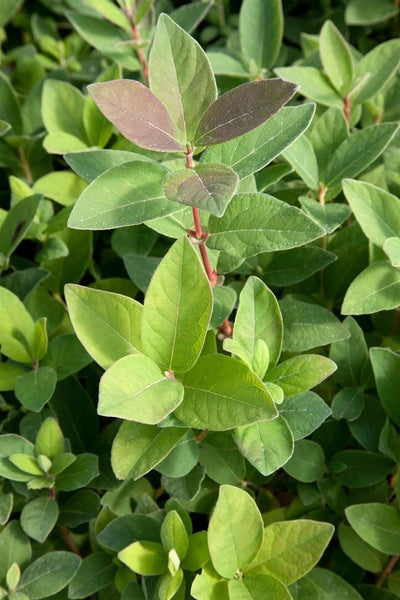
[(242, 110), (138, 114)]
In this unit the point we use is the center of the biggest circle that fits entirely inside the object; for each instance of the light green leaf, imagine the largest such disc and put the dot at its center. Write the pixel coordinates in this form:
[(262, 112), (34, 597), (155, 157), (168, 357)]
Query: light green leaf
[(135, 388), (208, 186), (6, 506), (35, 388), (96, 571), (63, 187), (336, 57), (60, 142), (391, 247), (253, 587), (138, 448), (16, 328), (62, 109), (358, 151), (8, 9), (308, 326), (225, 63), (256, 223), (38, 518), (209, 585), (291, 548), (374, 289), (171, 585), (181, 77), (314, 84), (107, 324), (351, 356), (49, 574), (182, 459), (267, 445), (49, 440), (9, 374), (377, 67), (14, 547), (230, 550), (177, 309), (302, 157), (377, 524), (367, 12), (145, 558), (174, 535), (260, 31), (255, 149), (221, 393), (300, 373), (127, 194), (376, 210), (307, 463), (326, 135), (304, 413)]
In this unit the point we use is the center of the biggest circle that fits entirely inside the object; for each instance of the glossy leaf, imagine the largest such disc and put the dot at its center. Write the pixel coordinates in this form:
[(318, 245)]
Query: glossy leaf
[(229, 549), (255, 223), (177, 309), (181, 77), (209, 187), (128, 194), (146, 122), (260, 31), (377, 524), (134, 388), (222, 393), (255, 149), (242, 109), (267, 445), (376, 288), (107, 324)]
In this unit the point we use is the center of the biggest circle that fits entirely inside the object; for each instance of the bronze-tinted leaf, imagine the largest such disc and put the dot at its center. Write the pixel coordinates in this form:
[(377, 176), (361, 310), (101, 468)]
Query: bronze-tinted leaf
[(209, 187), (138, 114), (243, 109)]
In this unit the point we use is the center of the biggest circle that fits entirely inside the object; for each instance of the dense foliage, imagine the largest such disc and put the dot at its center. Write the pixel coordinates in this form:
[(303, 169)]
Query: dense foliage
[(199, 299)]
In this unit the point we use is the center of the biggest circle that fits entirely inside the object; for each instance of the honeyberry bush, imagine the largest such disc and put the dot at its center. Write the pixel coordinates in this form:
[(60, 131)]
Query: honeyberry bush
[(199, 300)]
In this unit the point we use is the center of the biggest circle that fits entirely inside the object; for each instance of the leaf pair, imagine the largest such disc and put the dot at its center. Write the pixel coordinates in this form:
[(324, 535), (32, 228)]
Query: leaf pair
[(181, 107)]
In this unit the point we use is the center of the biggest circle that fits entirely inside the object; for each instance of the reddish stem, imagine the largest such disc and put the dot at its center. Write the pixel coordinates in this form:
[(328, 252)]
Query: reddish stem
[(347, 108), (140, 52), (197, 223), (69, 541), (201, 436), (387, 570)]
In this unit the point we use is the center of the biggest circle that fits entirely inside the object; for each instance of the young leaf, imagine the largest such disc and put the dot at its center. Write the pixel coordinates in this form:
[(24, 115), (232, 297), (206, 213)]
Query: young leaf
[(49, 440), (377, 524), (260, 31), (181, 77), (127, 194), (290, 549), (267, 445), (336, 57), (376, 288), (242, 109), (177, 309), (230, 550), (48, 574), (38, 518), (221, 393), (137, 113), (145, 558), (14, 547), (255, 149), (135, 388), (210, 187), (97, 316), (16, 328), (174, 535)]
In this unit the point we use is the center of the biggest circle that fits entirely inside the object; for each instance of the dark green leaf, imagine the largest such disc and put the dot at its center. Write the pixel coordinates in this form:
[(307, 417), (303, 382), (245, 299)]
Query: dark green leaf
[(48, 574), (38, 518), (358, 468), (95, 572)]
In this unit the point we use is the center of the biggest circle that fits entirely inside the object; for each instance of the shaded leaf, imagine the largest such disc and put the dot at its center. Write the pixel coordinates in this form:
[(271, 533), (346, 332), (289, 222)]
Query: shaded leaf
[(260, 31), (48, 574), (377, 524)]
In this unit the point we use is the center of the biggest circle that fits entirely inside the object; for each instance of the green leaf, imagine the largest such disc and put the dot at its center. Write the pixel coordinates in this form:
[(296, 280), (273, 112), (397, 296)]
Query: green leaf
[(8, 9), (49, 440), (221, 393), (367, 12), (63, 187), (255, 149), (391, 247), (326, 135), (329, 216), (6, 506), (120, 532), (221, 459), (377, 524), (190, 15), (336, 57), (224, 62), (138, 448), (9, 374), (69, 120), (79, 473), (174, 535), (308, 326), (209, 585), (209, 187), (14, 547), (224, 300), (145, 558), (361, 553), (292, 266), (230, 550), (127, 194), (358, 151), (177, 309), (386, 367), (300, 373), (9, 107), (35, 388), (171, 585), (95, 572), (267, 445), (66, 355), (38, 518), (377, 67), (291, 549), (184, 488), (304, 413), (376, 210), (97, 316), (256, 223), (307, 463), (359, 468), (92, 163), (242, 109), (313, 84), (48, 574), (374, 289), (329, 586), (17, 223), (351, 356), (27, 464), (302, 158), (13, 576), (252, 587), (135, 388), (260, 31), (16, 328), (182, 459), (145, 122), (181, 77), (348, 404)]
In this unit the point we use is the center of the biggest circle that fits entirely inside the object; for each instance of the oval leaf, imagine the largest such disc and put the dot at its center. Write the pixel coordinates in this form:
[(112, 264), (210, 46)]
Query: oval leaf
[(377, 524)]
